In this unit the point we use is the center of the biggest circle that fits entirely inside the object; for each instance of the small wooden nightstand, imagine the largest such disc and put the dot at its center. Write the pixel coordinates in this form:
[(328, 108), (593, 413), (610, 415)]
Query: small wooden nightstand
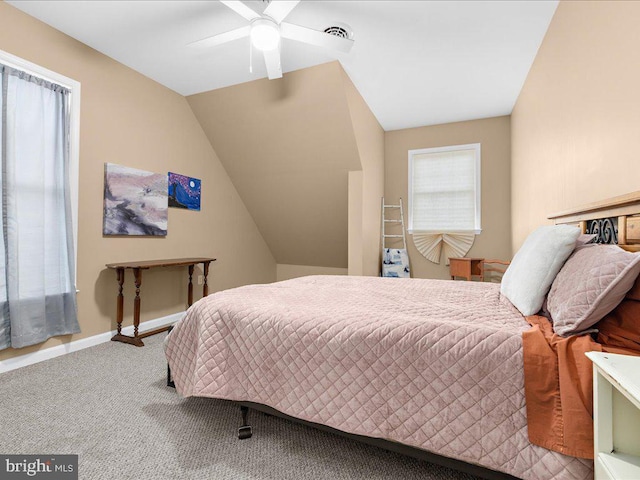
[(616, 415), (466, 268)]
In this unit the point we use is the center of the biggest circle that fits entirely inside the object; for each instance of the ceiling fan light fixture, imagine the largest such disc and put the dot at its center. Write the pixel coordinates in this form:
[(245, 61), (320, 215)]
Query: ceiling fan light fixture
[(265, 34)]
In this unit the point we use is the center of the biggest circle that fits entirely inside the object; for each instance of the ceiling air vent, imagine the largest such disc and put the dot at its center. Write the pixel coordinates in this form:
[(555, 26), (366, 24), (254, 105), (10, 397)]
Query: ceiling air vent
[(339, 30)]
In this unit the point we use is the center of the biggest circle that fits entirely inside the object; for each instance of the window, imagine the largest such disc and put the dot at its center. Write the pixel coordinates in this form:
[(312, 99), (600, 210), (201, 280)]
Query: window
[(38, 199), (444, 189)]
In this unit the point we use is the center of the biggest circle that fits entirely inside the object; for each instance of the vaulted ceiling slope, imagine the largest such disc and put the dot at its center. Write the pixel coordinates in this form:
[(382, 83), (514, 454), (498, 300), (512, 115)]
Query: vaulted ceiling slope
[(288, 146), (415, 63)]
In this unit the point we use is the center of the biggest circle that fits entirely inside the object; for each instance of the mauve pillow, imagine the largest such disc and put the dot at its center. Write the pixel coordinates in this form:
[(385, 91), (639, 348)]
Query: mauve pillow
[(592, 282), (586, 238), (535, 265)]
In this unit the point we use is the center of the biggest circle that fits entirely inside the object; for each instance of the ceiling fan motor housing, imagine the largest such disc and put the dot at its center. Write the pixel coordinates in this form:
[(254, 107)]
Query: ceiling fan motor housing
[(265, 34)]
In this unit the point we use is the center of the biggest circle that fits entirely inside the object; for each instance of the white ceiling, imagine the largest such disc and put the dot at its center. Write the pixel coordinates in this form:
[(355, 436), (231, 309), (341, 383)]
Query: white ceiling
[(415, 62)]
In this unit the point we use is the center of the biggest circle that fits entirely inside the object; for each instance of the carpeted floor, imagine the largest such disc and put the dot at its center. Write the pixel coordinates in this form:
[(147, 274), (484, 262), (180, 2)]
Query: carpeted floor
[(109, 404)]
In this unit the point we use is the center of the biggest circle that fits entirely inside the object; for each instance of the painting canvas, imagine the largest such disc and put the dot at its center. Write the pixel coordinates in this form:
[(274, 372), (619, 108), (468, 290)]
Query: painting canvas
[(184, 192), (135, 201)]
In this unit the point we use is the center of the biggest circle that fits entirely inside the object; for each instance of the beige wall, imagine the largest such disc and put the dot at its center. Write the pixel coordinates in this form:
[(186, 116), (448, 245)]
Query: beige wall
[(366, 187), (130, 120), (307, 156), (494, 135), (373, 191), (355, 252), (288, 145), (575, 124), (286, 272)]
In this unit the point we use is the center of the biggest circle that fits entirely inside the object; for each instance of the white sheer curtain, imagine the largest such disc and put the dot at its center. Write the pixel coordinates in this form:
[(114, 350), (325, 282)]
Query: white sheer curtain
[(37, 284)]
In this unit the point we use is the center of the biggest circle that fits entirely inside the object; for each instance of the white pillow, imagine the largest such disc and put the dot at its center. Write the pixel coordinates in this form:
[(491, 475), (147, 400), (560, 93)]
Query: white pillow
[(536, 264)]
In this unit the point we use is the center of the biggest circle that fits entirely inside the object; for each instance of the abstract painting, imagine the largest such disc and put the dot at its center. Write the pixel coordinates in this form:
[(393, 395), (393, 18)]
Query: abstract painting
[(135, 201), (184, 192)]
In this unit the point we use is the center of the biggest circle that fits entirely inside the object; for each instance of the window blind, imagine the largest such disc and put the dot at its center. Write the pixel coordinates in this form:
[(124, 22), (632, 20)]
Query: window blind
[(444, 189)]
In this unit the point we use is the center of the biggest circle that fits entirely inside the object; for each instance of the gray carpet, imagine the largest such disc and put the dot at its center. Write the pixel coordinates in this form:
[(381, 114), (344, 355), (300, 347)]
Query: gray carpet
[(109, 404)]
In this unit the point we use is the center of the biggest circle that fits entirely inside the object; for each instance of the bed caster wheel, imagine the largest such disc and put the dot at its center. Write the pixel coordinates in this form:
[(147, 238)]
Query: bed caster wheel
[(244, 432)]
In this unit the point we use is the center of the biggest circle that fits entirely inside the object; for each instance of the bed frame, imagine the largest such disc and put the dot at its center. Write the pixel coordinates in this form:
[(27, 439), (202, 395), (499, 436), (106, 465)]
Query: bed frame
[(389, 445), (614, 221), (245, 431)]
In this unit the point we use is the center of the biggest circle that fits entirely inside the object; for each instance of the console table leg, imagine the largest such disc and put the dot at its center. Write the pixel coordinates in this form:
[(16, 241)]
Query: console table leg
[(190, 290), (205, 286), (119, 337), (120, 303), (136, 302)]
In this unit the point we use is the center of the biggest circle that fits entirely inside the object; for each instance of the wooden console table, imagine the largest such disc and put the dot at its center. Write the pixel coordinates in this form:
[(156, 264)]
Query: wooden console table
[(137, 268)]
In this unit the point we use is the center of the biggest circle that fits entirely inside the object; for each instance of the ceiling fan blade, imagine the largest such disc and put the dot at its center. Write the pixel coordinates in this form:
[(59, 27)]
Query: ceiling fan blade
[(222, 37), (272, 61), (314, 37), (241, 9), (279, 9)]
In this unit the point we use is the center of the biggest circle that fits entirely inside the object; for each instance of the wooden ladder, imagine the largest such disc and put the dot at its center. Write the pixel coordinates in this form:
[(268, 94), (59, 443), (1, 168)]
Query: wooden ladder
[(395, 260), (386, 220)]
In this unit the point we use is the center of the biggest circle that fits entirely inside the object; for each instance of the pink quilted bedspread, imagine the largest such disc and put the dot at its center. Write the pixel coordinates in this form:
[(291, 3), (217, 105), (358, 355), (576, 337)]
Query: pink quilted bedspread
[(429, 363)]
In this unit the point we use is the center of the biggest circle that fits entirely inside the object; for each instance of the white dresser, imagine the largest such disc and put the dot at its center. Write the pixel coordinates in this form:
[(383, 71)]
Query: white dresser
[(616, 415)]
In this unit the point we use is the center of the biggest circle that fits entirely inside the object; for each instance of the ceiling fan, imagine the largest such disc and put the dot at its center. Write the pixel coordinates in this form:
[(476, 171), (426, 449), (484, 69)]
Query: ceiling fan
[(267, 29)]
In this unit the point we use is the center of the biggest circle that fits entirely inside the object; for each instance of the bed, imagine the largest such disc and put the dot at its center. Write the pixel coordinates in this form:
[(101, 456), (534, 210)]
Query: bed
[(431, 365)]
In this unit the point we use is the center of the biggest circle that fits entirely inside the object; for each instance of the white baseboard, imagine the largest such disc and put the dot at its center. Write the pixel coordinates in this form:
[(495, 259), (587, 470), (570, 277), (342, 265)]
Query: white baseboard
[(52, 352)]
